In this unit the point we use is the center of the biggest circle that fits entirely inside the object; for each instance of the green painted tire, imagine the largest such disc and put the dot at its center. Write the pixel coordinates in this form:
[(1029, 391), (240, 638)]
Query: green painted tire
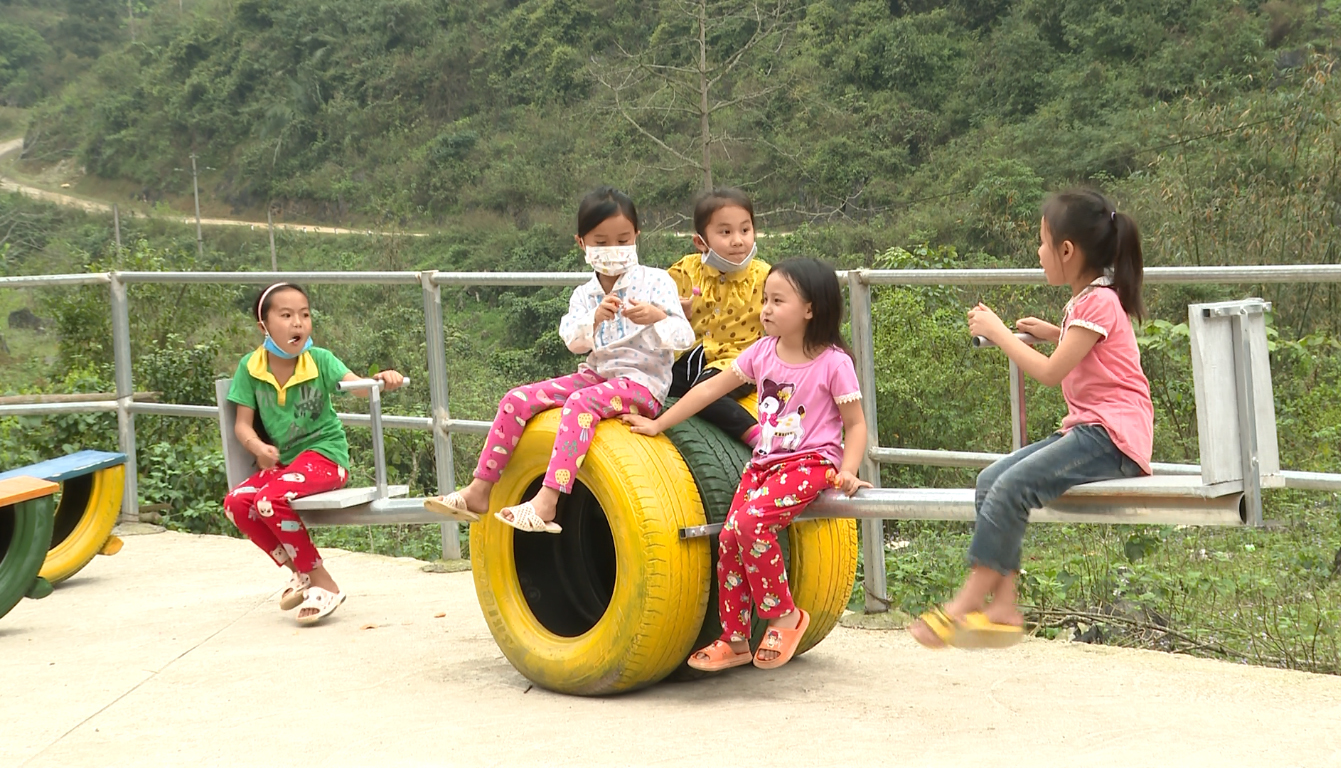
[(25, 535)]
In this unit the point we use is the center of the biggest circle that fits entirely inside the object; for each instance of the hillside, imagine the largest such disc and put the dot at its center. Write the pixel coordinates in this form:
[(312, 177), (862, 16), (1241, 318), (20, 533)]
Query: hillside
[(911, 116)]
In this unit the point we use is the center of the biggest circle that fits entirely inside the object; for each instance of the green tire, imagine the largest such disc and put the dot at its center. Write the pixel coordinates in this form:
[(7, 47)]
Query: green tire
[(25, 535)]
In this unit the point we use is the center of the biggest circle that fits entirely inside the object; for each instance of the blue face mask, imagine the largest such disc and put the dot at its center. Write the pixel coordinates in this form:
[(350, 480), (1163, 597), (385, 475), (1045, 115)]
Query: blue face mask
[(274, 349)]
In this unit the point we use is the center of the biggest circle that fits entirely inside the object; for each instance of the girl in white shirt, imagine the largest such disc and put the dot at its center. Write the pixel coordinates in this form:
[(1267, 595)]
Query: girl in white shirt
[(629, 322)]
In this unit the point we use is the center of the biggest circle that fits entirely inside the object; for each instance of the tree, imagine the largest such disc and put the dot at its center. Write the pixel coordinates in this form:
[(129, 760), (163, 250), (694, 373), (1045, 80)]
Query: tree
[(704, 58)]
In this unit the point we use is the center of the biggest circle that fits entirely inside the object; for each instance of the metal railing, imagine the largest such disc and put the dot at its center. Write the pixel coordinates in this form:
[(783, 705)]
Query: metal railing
[(440, 423)]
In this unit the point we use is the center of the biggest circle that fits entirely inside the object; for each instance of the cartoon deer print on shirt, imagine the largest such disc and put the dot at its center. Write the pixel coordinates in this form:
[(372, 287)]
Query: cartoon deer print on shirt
[(773, 398)]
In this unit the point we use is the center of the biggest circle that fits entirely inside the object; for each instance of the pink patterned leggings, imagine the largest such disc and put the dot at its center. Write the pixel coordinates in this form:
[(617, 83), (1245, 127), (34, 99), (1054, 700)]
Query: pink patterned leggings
[(585, 398)]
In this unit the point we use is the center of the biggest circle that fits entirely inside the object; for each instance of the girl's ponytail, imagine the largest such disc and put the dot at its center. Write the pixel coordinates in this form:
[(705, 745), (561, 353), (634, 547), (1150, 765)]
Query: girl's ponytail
[(1128, 264), (1109, 241)]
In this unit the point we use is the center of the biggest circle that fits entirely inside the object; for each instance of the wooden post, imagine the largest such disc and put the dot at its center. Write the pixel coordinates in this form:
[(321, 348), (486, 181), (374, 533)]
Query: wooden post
[(116, 225), (195, 188), (270, 221)]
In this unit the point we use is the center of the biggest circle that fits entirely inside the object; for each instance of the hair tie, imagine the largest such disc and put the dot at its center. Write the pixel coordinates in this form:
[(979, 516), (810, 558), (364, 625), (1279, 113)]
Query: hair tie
[(260, 304)]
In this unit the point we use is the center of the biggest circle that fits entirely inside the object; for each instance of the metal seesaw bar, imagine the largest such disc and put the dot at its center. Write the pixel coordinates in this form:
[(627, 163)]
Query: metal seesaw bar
[(1161, 500), (376, 512)]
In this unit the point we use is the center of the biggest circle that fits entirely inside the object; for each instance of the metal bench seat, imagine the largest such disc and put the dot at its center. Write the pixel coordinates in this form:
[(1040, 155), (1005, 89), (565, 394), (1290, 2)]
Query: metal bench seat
[(344, 498), (1162, 500), (344, 506)]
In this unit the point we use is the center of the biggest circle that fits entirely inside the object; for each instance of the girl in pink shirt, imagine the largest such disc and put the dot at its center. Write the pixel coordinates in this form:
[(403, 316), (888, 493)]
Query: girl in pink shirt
[(809, 402), (1089, 246)]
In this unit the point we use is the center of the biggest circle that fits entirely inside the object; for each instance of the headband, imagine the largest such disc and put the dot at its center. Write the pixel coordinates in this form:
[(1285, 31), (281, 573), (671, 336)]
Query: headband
[(260, 305)]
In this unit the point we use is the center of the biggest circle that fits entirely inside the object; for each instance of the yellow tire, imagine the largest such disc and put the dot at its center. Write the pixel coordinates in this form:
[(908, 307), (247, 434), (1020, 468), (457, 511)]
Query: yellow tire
[(615, 602), (87, 511), (823, 569)]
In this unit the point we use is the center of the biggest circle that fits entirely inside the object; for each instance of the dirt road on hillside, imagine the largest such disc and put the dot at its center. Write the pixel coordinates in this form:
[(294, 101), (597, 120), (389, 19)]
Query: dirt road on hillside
[(93, 206)]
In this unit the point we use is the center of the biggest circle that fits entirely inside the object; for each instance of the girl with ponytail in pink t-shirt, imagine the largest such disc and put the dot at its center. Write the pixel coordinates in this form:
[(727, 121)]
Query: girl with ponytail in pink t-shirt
[(1091, 247)]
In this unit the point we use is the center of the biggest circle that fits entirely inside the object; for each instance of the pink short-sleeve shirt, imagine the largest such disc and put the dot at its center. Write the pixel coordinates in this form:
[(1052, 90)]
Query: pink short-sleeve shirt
[(798, 404), (1108, 387)]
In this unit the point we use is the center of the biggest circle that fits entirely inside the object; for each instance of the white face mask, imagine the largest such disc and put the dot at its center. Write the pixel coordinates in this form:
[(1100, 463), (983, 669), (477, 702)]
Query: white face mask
[(612, 260), (719, 263)]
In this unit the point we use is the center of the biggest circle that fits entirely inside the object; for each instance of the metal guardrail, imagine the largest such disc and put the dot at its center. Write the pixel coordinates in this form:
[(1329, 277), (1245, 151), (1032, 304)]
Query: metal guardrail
[(441, 424)]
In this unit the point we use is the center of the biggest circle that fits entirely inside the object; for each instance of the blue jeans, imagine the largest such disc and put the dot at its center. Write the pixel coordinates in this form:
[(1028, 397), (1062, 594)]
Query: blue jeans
[(1030, 478)]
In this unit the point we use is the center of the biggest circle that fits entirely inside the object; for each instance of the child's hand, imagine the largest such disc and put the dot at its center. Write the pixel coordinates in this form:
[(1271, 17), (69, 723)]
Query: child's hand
[(848, 483), (607, 309), (391, 380), (268, 457), (643, 313), (1041, 329), (641, 425), (984, 322), (687, 302)]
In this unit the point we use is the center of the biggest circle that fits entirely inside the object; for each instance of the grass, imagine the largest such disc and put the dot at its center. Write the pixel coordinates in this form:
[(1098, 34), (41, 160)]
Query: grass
[(22, 356), (13, 122)]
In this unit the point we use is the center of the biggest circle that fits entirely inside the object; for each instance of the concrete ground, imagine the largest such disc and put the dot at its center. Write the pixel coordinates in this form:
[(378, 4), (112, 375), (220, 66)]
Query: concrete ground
[(174, 652)]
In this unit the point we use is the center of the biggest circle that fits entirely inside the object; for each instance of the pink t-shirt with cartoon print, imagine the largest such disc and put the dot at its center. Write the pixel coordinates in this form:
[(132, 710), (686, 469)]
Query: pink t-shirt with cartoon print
[(798, 404), (1107, 387)]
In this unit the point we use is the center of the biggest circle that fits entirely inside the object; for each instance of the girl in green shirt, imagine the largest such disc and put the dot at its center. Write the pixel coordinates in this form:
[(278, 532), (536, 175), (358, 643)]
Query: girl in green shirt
[(287, 383)]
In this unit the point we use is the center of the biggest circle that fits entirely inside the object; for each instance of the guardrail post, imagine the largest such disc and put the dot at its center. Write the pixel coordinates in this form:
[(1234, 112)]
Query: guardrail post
[(863, 352), (437, 392), (125, 392)]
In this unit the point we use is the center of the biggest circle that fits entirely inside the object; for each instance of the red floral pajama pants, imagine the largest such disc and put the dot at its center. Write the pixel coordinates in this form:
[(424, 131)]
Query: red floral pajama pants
[(259, 507), (750, 567)]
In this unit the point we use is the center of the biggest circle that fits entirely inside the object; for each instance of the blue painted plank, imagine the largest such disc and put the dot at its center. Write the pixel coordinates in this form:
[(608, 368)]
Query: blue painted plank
[(76, 464)]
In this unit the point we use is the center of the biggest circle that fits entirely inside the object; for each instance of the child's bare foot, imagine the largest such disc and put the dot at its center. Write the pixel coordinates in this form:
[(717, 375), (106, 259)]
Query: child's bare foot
[(320, 577), (782, 639), (1000, 612), (790, 621), (928, 636), (545, 504), (476, 495)]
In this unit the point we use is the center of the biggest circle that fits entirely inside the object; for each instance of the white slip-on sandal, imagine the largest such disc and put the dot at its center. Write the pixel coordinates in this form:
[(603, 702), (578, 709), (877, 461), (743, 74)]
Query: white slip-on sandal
[(296, 592), (524, 518), (452, 505), (324, 601)]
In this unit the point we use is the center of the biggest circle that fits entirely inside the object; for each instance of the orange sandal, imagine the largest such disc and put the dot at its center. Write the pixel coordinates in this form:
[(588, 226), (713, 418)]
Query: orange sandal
[(782, 642), (717, 657)]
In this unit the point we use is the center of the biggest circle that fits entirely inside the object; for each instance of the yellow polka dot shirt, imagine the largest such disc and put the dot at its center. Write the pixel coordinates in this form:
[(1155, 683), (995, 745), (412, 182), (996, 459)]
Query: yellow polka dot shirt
[(725, 314)]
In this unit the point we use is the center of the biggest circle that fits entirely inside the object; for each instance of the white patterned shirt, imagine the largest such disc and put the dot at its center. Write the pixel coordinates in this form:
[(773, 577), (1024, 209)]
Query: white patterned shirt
[(621, 348)]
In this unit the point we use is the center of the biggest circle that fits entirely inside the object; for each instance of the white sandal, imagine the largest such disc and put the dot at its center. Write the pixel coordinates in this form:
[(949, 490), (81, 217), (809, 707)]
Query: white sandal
[(524, 518), (452, 505), (296, 592), (324, 601)]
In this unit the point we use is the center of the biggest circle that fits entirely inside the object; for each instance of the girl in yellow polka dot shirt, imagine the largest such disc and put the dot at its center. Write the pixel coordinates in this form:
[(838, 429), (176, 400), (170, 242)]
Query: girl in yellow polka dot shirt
[(721, 289)]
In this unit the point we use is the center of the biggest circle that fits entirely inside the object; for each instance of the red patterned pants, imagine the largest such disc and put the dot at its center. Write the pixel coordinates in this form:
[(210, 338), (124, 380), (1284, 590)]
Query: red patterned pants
[(259, 507), (750, 567)]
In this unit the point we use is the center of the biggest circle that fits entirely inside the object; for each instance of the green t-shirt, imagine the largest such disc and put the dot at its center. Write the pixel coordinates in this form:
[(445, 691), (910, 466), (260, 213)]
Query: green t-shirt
[(298, 416)]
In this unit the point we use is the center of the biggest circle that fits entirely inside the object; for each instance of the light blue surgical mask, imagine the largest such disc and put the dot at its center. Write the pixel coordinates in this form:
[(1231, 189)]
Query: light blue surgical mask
[(719, 263), (274, 349)]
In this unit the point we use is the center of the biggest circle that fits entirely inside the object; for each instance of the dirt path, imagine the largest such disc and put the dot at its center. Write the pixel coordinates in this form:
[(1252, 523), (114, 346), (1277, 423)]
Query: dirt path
[(174, 652), (10, 185)]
